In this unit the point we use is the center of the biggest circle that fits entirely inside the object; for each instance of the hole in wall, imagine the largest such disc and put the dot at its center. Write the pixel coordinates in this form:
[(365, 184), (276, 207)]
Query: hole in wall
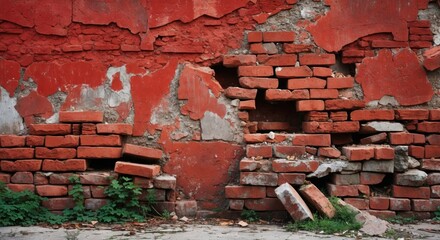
[(227, 77), (101, 164)]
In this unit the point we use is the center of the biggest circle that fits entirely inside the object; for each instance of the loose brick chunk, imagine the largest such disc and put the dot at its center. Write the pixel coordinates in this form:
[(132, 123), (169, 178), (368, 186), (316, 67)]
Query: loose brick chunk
[(291, 72), (245, 192), (368, 115), (87, 116), (115, 128), (283, 165), (239, 60), (98, 140), (319, 140), (12, 141), (412, 114), (259, 178), (255, 71), (358, 153), (140, 151), (317, 59), (135, 169), (293, 202), (377, 138), (314, 196), (50, 129), (16, 153), (309, 105), (277, 60), (339, 83), (64, 166), (240, 93), (262, 83), (306, 83)]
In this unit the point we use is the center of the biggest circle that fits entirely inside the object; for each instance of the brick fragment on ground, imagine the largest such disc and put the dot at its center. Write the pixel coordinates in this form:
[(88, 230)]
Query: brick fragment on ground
[(314, 196), (293, 202)]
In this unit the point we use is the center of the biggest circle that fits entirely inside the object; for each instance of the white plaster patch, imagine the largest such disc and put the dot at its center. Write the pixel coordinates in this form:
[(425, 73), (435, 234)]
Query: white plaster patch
[(214, 127), (10, 120)]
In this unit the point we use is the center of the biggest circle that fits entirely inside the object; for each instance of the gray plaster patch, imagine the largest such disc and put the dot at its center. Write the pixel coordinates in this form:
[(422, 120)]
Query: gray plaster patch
[(216, 128), (10, 120)]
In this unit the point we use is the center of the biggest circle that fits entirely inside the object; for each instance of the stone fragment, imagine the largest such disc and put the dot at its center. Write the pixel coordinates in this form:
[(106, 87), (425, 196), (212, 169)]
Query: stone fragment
[(378, 166), (293, 202), (413, 178), (327, 168), (376, 126), (401, 158)]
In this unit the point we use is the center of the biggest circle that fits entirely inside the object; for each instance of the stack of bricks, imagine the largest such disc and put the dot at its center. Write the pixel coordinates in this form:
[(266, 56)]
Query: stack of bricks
[(43, 161), (388, 154), (420, 36)]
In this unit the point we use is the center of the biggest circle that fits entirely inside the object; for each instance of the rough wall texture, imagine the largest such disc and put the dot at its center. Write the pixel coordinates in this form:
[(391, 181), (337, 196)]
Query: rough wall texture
[(211, 82)]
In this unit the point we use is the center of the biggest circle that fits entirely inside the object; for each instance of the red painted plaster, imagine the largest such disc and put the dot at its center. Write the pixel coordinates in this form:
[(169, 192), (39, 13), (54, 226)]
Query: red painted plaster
[(9, 75), (33, 105)]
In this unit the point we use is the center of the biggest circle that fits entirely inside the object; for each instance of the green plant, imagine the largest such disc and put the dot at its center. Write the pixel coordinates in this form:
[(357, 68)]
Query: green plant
[(402, 220), (249, 215), (165, 214), (78, 213), (437, 215), (23, 208), (343, 220), (124, 202)]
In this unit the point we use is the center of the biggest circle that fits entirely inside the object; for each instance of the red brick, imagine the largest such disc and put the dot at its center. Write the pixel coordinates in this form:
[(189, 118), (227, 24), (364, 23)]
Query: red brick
[(98, 191), (64, 166), (86, 191), (345, 127), (412, 114), (420, 44), (262, 83), (429, 127), (245, 192), (420, 31), (247, 105), (311, 150), (342, 191), (259, 151), (317, 59), (249, 165), (277, 60), (383, 153), (76, 129), (434, 139), (316, 116), (400, 204), (379, 203), (342, 104), (143, 182), (16, 153), (323, 93), (264, 204), (21, 165), (382, 214), (368, 115), (411, 192), (377, 138), (421, 205), (62, 141), (319, 140), (278, 36), (255, 37), (305, 83), (431, 63), (291, 178), (338, 83), (401, 138), (420, 23), (115, 128), (88, 128), (416, 151), (358, 153), (292, 72), (258, 178), (239, 60), (285, 95), (345, 179), (235, 204), (255, 71), (330, 152), (12, 141), (322, 72), (87, 116), (22, 177), (285, 151), (433, 179), (21, 187), (135, 169), (35, 141), (435, 191), (297, 48), (243, 116), (50, 129), (58, 204), (99, 152), (428, 164), (388, 44), (55, 153), (317, 127), (5, 178), (60, 178), (96, 178), (274, 126), (370, 178), (309, 105), (140, 151), (338, 116), (97, 140), (353, 53), (165, 182), (282, 165), (432, 151), (320, 202), (359, 203), (51, 190), (434, 114), (240, 93)]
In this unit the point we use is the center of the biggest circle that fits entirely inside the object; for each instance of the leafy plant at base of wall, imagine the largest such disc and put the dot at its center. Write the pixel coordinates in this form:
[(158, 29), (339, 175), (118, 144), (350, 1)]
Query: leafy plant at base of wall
[(78, 213), (124, 202), (23, 208), (437, 215), (249, 215), (402, 220), (344, 220)]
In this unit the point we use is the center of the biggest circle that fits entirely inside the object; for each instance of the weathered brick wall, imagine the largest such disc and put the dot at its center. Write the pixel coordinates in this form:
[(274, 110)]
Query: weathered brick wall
[(246, 94)]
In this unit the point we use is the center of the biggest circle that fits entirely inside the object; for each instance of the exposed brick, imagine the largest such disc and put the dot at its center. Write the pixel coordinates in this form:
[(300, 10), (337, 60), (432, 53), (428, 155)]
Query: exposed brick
[(434, 114), (140, 151), (31, 165), (75, 117), (338, 116), (5, 178), (421, 205), (94, 204), (97, 140), (277, 60), (239, 60), (319, 140), (143, 182), (416, 151), (433, 139), (86, 191), (96, 178), (339, 83), (401, 138), (249, 165), (286, 95), (265, 48), (16, 153), (370, 178), (316, 116), (262, 83), (12, 141), (382, 214), (245, 192), (64, 166), (255, 71), (317, 127), (306, 83), (430, 164), (429, 127), (400, 204), (297, 48), (135, 169), (432, 151), (322, 72), (76, 129), (323, 93), (283, 151), (377, 138), (282, 165), (379, 203), (243, 115), (368, 115), (420, 31), (412, 114), (435, 191), (317, 59), (353, 53), (35, 141), (342, 104), (88, 129), (165, 182), (359, 203), (330, 152), (99, 152), (255, 37), (55, 153), (293, 202), (21, 187), (410, 192), (278, 36), (292, 72), (383, 153), (62, 141), (115, 128), (51, 190), (274, 126), (247, 105), (50, 129), (240, 93), (309, 105), (358, 153), (60, 178), (342, 191), (258, 178), (58, 204), (433, 178), (98, 191), (235, 204), (291, 178), (22, 177), (264, 204), (388, 44)]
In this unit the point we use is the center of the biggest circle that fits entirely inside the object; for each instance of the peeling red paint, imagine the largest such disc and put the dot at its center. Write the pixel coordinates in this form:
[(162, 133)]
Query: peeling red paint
[(400, 76), (349, 20), (116, 82), (18, 11), (34, 105), (55, 21), (9, 75)]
